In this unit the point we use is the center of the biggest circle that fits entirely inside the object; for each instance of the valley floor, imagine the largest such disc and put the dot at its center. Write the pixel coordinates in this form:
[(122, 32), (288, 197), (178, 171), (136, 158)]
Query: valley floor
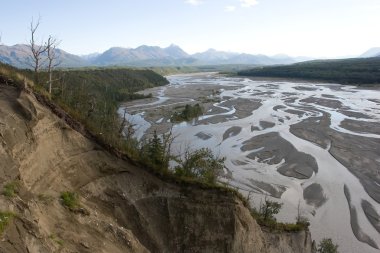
[(312, 144)]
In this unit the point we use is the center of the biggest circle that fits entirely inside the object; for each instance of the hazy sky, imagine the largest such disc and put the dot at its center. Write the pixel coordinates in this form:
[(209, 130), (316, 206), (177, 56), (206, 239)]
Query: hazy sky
[(320, 28)]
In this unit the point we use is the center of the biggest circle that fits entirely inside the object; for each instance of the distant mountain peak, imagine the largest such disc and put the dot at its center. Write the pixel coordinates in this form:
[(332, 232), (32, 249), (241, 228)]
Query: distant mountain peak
[(146, 47), (173, 46), (176, 52)]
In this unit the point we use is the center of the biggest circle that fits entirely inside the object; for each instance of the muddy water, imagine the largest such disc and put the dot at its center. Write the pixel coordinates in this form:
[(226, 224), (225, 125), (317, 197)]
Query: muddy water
[(256, 171)]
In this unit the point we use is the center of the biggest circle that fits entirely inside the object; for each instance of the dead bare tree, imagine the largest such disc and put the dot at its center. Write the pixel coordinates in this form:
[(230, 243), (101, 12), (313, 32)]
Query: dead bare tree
[(37, 49), (249, 195), (298, 218), (52, 57), (127, 126), (124, 122), (167, 141)]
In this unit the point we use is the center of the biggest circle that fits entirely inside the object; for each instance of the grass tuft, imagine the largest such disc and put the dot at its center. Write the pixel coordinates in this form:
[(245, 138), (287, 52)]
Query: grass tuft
[(11, 189), (56, 239), (5, 218), (70, 199)]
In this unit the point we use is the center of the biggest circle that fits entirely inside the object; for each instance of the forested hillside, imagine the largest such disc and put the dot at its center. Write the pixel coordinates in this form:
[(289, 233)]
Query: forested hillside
[(92, 96), (348, 71)]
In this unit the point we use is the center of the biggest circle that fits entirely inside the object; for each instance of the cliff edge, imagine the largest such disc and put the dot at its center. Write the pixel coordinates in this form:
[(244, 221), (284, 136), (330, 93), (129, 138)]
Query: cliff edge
[(123, 208)]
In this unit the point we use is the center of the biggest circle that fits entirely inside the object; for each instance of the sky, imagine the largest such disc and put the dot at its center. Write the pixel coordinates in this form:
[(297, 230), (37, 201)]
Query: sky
[(315, 28)]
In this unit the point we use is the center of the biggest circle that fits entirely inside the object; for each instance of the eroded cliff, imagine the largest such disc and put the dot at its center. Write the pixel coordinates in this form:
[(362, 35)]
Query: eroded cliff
[(124, 208)]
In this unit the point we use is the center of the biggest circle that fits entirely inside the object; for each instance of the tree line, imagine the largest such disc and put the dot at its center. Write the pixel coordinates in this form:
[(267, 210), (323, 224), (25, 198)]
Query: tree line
[(354, 71)]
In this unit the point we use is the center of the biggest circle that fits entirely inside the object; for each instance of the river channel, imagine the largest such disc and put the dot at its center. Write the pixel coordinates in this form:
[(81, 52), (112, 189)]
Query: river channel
[(307, 144)]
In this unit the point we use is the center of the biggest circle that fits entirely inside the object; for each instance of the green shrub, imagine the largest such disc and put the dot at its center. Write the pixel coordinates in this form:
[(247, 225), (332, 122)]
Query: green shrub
[(70, 199), (200, 164), (11, 189), (5, 218), (155, 153), (327, 246), (265, 218), (268, 209), (188, 113)]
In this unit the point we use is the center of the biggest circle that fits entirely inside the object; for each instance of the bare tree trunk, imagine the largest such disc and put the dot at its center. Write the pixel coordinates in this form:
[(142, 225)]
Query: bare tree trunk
[(299, 211), (50, 81), (37, 50), (51, 45)]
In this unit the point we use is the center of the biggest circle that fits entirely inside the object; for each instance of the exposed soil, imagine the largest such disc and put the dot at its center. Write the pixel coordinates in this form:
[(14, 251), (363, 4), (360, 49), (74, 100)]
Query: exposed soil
[(233, 131), (358, 232), (331, 103), (359, 156), (314, 195), (372, 215), (361, 126), (275, 149), (354, 114)]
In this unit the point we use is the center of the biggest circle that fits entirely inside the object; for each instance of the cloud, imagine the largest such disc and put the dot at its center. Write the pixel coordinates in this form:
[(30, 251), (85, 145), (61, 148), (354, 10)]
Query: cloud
[(194, 2), (248, 3), (230, 8)]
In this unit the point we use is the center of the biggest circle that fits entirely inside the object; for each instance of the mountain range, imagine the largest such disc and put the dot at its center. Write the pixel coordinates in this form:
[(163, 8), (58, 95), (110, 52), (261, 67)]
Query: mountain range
[(19, 56), (144, 56)]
